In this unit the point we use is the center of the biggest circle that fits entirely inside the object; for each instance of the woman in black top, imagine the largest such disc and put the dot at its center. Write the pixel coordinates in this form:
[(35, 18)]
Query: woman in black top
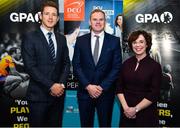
[(139, 83)]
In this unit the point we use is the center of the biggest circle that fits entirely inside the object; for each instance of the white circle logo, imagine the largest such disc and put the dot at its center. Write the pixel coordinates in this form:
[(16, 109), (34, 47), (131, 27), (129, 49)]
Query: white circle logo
[(166, 17)]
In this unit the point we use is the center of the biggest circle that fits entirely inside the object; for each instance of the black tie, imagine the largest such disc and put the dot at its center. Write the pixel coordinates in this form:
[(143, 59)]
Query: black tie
[(51, 46), (96, 50)]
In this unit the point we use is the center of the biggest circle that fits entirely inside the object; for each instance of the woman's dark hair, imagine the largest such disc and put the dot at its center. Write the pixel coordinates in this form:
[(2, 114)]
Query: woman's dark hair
[(116, 24), (135, 34)]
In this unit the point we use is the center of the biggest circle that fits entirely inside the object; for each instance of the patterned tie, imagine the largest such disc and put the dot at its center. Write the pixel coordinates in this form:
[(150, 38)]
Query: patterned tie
[(96, 50), (51, 46)]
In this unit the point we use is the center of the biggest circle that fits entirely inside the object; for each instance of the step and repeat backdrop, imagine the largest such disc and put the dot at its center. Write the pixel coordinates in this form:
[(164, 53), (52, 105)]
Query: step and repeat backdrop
[(160, 17)]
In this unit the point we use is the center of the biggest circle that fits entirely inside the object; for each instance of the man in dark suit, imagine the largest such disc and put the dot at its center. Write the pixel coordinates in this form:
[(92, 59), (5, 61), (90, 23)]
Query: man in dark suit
[(96, 64), (45, 56)]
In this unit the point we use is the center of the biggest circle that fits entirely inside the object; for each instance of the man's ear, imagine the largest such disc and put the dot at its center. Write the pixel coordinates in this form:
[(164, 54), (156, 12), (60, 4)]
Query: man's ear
[(89, 23)]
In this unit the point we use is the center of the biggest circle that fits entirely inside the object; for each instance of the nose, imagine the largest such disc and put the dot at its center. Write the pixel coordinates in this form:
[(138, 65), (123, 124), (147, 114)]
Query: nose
[(50, 16), (97, 21), (137, 44)]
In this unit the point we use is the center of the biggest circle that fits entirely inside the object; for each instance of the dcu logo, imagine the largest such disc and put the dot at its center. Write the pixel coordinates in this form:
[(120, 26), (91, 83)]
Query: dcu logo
[(165, 17), (75, 7), (74, 10)]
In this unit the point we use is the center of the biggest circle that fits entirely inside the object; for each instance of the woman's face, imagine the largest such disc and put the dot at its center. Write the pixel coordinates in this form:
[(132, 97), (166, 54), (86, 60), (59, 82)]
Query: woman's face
[(139, 45), (119, 20)]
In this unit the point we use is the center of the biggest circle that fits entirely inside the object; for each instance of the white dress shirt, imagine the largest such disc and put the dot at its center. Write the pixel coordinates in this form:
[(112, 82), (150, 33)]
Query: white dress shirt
[(45, 32), (93, 41)]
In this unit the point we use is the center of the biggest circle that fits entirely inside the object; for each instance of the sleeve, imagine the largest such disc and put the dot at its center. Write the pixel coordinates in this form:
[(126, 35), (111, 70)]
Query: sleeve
[(119, 83), (30, 63), (66, 64), (77, 66), (154, 93)]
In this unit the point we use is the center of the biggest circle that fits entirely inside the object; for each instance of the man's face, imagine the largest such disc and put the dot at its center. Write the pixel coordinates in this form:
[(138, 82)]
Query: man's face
[(49, 17), (97, 22)]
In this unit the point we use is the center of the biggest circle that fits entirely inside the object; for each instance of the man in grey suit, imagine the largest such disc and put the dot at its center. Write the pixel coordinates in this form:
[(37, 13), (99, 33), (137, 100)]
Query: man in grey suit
[(46, 60)]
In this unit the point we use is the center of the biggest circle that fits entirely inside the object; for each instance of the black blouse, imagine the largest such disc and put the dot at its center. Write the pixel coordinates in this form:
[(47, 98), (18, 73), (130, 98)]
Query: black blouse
[(144, 82)]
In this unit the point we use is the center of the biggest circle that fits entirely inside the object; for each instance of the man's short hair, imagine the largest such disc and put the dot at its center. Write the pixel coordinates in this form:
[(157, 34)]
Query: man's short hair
[(98, 10), (49, 3)]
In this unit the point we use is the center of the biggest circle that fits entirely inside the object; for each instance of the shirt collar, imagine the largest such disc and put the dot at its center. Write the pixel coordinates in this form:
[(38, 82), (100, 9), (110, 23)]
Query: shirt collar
[(100, 34), (143, 59), (46, 31)]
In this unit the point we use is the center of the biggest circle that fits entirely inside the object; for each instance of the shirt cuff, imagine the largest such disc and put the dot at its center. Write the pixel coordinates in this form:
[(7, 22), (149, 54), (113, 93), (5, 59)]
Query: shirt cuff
[(63, 85)]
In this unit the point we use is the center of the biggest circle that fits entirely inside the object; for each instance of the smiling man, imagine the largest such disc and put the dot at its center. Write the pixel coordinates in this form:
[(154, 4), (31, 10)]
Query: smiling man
[(46, 60), (96, 64)]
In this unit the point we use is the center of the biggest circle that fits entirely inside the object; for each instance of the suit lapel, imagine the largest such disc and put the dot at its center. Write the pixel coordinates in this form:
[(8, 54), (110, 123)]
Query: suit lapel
[(58, 46), (104, 48), (89, 49), (45, 43)]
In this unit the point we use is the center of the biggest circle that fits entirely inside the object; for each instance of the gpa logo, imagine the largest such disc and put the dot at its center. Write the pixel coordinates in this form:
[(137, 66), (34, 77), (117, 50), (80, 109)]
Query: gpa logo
[(24, 17), (165, 17)]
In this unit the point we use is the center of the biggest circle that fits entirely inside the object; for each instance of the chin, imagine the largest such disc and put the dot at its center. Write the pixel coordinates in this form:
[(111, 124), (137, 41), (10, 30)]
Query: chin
[(51, 26)]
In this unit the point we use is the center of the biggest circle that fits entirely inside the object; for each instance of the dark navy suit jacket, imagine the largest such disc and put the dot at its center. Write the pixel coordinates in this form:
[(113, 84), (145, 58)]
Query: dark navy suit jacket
[(105, 72), (40, 66)]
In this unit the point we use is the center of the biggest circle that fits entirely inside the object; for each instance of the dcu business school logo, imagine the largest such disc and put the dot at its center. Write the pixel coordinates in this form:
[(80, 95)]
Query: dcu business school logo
[(165, 17), (74, 10)]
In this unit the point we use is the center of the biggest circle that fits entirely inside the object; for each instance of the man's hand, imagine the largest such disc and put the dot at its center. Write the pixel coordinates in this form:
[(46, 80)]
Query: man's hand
[(57, 90), (94, 90)]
